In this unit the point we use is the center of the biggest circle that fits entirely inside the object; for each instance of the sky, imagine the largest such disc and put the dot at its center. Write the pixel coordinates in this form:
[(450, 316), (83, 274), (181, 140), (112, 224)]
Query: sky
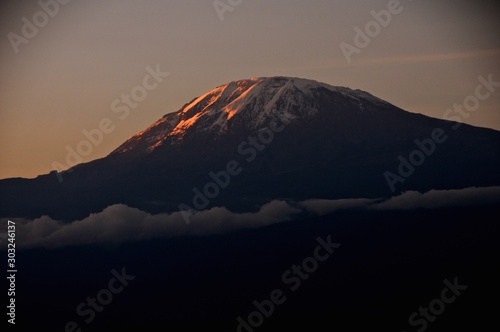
[(69, 73)]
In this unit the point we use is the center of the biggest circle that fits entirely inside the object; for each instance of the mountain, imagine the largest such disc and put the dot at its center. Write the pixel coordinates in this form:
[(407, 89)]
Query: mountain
[(238, 106), (251, 141)]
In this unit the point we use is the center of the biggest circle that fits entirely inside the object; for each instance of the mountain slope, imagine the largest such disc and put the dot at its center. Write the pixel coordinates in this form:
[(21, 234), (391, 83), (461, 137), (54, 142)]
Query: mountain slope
[(246, 103), (287, 138)]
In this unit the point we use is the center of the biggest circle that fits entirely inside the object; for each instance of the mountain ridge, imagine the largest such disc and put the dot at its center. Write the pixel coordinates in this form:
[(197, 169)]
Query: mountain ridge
[(226, 101), (338, 143)]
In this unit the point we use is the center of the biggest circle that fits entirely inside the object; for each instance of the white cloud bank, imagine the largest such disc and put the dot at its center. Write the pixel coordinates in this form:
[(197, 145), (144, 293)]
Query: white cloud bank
[(120, 223)]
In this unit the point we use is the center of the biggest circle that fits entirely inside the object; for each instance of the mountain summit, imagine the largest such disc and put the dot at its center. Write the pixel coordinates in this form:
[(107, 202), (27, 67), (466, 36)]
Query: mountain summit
[(284, 138), (247, 104)]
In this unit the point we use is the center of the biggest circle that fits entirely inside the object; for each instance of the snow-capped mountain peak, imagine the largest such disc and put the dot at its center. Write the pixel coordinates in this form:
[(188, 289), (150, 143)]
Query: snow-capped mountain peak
[(249, 102)]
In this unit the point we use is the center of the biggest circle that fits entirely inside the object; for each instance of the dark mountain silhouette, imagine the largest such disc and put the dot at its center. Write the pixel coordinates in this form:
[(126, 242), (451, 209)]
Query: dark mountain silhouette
[(283, 138)]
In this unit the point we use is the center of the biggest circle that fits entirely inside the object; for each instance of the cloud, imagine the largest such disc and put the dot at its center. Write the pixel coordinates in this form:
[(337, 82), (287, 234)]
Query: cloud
[(419, 58), (441, 198), (409, 200), (120, 223)]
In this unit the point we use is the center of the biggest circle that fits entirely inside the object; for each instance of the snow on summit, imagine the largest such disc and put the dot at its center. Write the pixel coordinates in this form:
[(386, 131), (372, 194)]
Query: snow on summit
[(251, 101)]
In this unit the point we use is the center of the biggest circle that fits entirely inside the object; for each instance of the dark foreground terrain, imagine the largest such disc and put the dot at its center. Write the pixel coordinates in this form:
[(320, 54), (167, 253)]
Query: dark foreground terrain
[(389, 265)]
